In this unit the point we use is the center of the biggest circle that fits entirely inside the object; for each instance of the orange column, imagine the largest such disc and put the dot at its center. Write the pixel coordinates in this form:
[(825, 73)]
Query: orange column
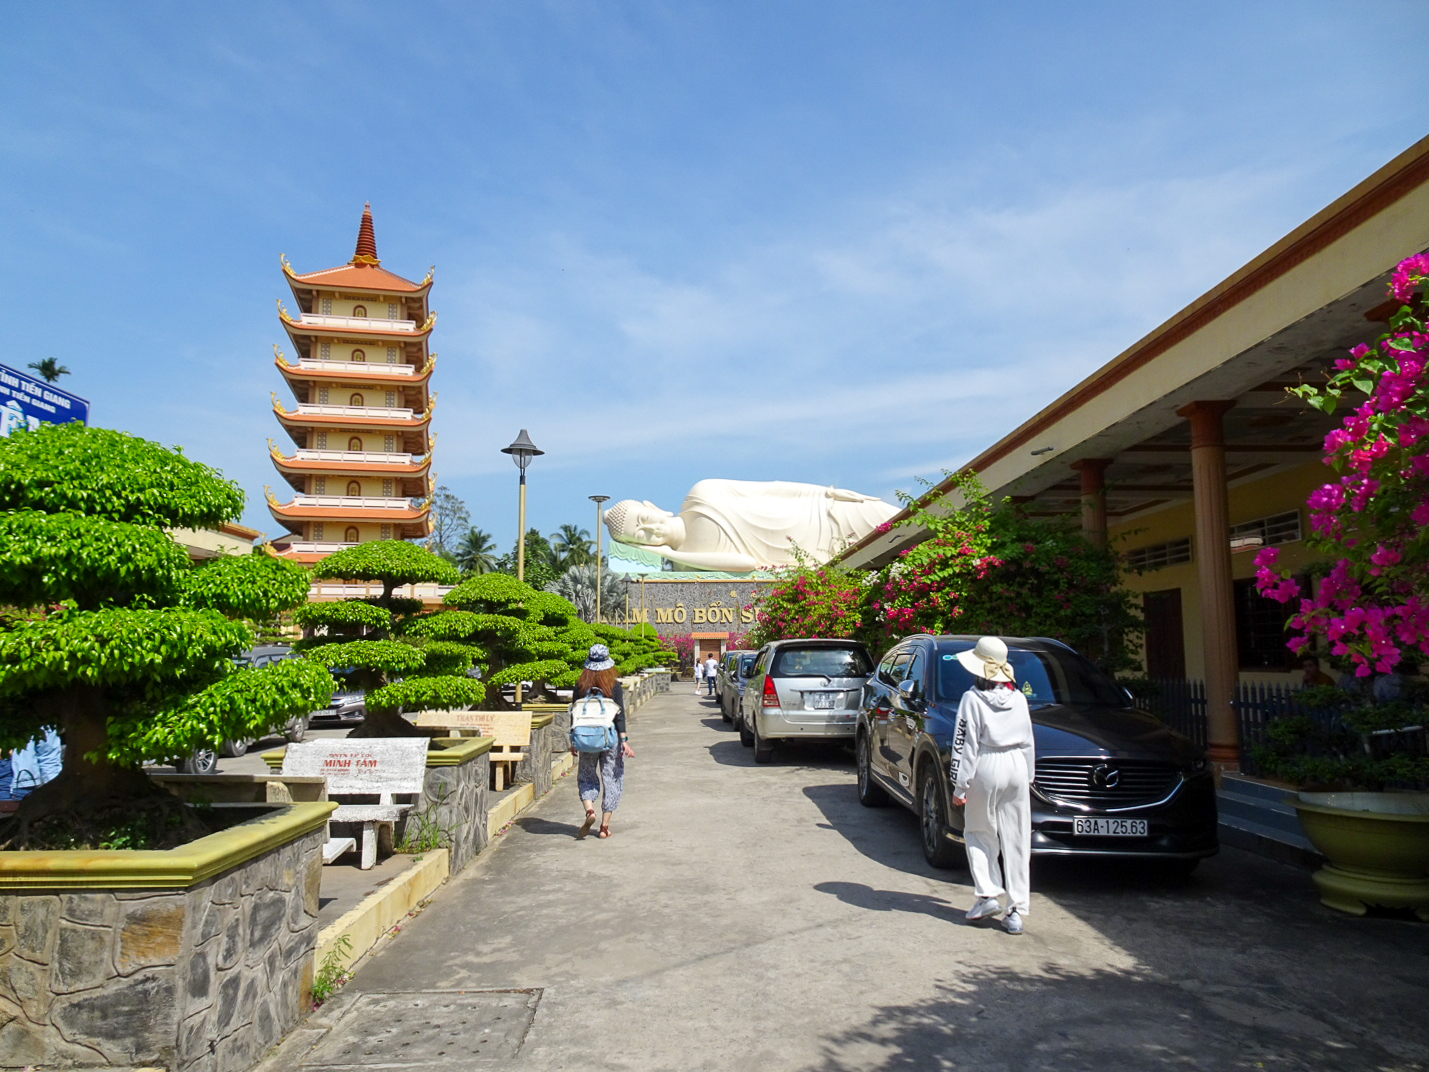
[(1213, 571), (1093, 476)]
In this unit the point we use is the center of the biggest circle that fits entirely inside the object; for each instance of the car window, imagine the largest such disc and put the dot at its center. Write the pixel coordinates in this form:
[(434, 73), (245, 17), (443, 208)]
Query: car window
[(914, 670), (819, 662), (885, 668), (1045, 677), (895, 664), (746, 665)]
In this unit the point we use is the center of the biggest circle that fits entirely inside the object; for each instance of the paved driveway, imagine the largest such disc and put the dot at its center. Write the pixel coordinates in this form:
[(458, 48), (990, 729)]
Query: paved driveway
[(749, 917)]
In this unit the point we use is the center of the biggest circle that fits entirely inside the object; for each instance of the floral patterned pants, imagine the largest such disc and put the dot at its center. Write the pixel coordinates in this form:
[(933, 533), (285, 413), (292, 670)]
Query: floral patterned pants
[(611, 766)]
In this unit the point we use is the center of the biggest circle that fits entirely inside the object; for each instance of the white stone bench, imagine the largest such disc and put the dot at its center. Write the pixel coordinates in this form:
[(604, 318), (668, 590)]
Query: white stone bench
[(384, 767)]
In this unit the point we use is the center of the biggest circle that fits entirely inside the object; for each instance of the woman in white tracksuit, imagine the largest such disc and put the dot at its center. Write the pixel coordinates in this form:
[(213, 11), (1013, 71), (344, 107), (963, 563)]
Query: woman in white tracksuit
[(992, 769)]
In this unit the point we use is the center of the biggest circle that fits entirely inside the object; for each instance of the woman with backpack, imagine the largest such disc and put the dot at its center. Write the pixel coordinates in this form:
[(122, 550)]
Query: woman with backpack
[(602, 773)]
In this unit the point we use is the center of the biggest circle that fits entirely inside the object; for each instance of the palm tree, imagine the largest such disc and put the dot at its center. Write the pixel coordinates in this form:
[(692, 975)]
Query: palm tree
[(49, 368), (476, 553), (572, 547), (578, 585)]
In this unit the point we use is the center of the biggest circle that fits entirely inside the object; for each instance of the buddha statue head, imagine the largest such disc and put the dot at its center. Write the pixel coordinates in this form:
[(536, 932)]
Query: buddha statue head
[(643, 523)]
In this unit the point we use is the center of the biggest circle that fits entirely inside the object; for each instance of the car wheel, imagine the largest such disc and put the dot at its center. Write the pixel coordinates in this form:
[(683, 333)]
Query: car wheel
[(297, 730), (870, 793), (745, 737), (236, 748), (937, 849), (201, 761), (763, 750)]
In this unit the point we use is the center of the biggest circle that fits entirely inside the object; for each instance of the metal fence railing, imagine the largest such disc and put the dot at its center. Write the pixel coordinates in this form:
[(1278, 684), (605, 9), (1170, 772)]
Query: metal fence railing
[(1181, 704)]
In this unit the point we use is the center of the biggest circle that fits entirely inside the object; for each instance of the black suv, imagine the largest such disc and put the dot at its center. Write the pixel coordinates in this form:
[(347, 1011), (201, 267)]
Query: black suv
[(1110, 780)]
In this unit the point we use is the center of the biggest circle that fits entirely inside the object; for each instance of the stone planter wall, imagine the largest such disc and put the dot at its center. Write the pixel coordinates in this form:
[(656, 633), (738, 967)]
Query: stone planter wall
[(202, 977), (454, 796), (536, 767)]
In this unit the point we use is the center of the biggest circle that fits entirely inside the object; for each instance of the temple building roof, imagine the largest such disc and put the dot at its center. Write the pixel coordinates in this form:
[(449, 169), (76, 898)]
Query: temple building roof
[(363, 272)]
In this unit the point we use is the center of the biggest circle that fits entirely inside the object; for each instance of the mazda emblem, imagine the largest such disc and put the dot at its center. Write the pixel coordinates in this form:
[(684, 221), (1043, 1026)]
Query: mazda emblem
[(1104, 776)]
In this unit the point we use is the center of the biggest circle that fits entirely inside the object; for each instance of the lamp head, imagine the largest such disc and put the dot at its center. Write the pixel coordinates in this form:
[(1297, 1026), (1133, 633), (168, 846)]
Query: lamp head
[(522, 450), (598, 499)]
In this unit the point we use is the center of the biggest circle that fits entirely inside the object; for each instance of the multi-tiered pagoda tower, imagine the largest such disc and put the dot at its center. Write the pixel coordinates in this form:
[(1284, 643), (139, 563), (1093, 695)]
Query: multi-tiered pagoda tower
[(363, 417)]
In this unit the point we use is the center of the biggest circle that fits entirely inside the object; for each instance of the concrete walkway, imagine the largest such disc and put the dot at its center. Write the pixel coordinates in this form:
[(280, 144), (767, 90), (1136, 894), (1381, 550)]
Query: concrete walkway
[(750, 917)]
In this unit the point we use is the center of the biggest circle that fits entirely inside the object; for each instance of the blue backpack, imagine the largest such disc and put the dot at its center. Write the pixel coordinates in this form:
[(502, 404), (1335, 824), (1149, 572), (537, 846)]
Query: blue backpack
[(593, 723)]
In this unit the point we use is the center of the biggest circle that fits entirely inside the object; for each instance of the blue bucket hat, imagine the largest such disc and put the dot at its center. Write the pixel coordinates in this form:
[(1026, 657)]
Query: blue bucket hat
[(599, 658)]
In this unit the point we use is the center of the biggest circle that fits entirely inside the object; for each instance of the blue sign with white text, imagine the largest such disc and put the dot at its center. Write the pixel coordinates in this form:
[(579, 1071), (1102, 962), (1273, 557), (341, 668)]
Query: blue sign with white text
[(26, 402)]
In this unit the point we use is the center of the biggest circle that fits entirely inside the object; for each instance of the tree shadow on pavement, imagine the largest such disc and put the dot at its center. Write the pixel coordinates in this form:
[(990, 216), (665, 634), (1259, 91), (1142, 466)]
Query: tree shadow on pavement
[(993, 1018), (861, 896)]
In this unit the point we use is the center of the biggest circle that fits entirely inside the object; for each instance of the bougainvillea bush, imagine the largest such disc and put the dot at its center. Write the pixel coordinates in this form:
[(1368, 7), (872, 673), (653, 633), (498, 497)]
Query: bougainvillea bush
[(1373, 606), (989, 568), (982, 569)]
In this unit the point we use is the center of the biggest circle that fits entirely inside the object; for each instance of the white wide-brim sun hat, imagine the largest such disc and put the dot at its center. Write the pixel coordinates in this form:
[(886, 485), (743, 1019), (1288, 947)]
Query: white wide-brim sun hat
[(988, 659)]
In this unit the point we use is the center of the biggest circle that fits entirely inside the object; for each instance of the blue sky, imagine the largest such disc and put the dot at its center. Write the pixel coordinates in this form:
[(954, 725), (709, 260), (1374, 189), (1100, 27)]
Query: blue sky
[(847, 243)]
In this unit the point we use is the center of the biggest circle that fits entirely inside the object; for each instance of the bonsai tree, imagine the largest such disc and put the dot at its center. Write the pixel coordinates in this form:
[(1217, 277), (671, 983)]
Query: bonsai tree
[(517, 633), (372, 644), (112, 636)]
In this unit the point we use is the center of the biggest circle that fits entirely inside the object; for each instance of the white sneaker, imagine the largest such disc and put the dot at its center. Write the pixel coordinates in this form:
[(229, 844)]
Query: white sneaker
[(1013, 923), (984, 907)]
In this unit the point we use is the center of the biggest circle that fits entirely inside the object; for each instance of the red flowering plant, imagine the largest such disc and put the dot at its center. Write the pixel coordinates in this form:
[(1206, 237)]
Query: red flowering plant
[(810, 600), (995, 569), (1373, 606)]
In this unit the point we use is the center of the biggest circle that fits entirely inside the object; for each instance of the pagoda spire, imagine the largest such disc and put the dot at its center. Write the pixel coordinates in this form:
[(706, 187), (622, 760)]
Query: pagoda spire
[(366, 239)]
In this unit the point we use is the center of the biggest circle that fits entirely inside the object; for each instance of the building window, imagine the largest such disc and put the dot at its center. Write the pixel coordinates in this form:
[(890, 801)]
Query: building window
[(386, 532), (1165, 634), (387, 489), (322, 396), (391, 399), (389, 444), (354, 489), (391, 355), (1171, 553), (326, 307), (1260, 627), (355, 444), (359, 310), (1266, 532), (325, 349), (359, 355), (317, 530), (350, 536), (320, 485), (392, 311), (322, 441), (354, 399)]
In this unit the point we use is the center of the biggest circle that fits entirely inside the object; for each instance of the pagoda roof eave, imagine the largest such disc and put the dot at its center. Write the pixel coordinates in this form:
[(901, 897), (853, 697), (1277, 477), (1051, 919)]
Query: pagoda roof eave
[(288, 513), (293, 373), (297, 330), (359, 277), (303, 465), (324, 420)]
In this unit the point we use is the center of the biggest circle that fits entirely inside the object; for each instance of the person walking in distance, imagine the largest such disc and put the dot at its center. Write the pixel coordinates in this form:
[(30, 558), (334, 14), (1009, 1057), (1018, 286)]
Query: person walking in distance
[(699, 674), (602, 774), (992, 769), (711, 672)]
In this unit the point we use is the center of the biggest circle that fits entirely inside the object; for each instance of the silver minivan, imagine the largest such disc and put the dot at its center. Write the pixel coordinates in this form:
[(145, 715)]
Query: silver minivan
[(809, 689)]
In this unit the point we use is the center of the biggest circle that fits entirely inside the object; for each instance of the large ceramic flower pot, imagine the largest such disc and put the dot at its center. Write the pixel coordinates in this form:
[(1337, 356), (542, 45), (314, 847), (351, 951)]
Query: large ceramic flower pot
[(1377, 845)]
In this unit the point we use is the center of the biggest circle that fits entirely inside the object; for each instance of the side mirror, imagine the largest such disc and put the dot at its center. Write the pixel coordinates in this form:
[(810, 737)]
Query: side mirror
[(908, 692)]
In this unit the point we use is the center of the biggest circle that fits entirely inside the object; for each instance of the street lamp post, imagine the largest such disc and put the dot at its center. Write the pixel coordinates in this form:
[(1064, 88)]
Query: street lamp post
[(597, 499), (521, 451)]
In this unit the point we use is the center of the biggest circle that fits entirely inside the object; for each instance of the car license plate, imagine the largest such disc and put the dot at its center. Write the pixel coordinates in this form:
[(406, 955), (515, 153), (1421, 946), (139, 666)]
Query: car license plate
[(1104, 827), (825, 701)]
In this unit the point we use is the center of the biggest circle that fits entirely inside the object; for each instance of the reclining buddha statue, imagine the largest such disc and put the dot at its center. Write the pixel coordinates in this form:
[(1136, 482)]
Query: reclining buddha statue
[(735, 526)]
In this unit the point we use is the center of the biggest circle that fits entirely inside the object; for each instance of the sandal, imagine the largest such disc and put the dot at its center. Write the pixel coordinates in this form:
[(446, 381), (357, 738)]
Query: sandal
[(604, 832), (585, 826)]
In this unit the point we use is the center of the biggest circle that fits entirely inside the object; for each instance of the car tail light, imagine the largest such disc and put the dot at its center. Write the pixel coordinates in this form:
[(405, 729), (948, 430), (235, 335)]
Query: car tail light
[(771, 698)]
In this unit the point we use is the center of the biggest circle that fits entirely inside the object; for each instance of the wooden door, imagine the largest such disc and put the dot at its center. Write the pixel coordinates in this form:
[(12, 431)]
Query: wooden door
[(1165, 634)]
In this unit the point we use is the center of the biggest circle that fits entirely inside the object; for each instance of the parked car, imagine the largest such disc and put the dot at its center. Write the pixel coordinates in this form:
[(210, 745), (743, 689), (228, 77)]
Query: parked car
[(729, 682), (205, 760), (347, 708), (1110, 781), (802, 689)]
